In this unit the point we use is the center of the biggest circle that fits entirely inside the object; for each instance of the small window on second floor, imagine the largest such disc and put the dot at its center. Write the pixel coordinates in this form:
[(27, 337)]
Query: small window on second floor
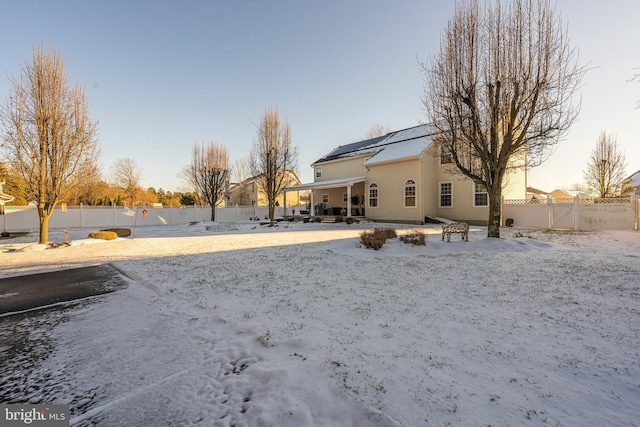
[(318, 171), (445, 155)]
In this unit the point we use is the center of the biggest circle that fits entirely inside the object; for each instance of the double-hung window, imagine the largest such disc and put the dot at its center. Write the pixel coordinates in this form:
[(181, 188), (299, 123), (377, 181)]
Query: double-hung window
[(446, 195), (480, 195)]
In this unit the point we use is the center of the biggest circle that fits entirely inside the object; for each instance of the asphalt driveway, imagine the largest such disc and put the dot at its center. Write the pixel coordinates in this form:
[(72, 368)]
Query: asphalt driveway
[(32, 291)]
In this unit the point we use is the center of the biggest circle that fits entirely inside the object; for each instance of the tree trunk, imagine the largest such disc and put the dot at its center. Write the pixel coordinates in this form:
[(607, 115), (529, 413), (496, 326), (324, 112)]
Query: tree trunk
[(272, 215), (495, 196), (44, 225), (213, 212)]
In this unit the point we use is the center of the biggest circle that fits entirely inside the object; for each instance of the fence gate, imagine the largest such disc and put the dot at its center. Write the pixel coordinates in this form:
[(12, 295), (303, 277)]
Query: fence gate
[(562, 214)]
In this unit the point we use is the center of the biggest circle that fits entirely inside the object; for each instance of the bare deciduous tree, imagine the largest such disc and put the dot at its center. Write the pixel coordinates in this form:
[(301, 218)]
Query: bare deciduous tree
[(500, 91), (377, 130), (241, 173), (273, 155), (209, 173), (50, 138), (89, 188), (126, 174), (605, 170)]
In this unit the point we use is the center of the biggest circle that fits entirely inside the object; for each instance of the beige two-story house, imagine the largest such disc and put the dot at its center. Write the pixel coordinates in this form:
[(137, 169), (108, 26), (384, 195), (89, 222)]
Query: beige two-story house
[(400, 177), (248, 192)]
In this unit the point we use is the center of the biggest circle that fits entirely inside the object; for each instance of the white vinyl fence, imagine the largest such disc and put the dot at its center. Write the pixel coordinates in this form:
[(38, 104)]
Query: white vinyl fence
[(574, 213), (25, 218)]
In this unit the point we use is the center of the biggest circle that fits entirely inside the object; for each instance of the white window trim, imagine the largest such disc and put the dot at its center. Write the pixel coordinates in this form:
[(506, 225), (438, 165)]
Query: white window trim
[(325, 196), (473, 197), (415, 195), (440, 194), (377, 187), (317, 172)]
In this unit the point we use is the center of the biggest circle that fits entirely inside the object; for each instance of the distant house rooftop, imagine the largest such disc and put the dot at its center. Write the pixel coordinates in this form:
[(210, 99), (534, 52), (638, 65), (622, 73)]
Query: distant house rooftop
[(533, 190), (4, 198), (635, 179), (569, 193)]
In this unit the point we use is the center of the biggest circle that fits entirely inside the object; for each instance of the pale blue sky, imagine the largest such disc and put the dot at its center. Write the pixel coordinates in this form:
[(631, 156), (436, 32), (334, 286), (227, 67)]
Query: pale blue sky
[(163, 75)]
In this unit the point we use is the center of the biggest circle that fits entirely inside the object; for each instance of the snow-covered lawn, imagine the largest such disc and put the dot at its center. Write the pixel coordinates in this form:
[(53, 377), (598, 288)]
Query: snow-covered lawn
[(242, 325)]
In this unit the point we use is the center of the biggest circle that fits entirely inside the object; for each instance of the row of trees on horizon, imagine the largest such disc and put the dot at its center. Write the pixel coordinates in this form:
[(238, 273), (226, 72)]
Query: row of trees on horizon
[(503, 86)]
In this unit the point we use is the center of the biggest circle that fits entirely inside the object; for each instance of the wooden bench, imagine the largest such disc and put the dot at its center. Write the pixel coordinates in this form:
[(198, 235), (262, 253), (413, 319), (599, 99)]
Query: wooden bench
[(456, 227)]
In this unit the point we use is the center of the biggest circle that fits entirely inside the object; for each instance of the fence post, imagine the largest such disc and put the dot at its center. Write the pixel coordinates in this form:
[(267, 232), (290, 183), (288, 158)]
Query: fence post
[(549, 212), (576, 212), (635, 200)]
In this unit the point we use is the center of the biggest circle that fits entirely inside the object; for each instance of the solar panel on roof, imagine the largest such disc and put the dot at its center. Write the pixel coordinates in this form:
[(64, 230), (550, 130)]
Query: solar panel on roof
[(343, 149), (374, 144)]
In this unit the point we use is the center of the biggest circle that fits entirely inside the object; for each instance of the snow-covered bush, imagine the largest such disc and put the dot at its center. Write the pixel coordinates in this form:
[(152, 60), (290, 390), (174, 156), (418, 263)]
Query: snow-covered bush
[(376, 238), (415, 238)]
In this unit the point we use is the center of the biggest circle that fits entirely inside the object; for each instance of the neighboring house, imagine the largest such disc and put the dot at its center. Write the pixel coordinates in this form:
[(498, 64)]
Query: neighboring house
[(4, 198), (248, 192), (631, 185), (534, 194), (570, 194), (400, 177)]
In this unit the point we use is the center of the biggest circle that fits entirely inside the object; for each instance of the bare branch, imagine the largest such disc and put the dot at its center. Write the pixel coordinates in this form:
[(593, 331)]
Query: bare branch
[(126, 174)]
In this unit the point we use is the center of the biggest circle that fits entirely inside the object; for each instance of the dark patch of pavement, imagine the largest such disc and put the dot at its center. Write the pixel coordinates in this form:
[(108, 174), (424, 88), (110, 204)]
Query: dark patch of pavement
[(30, 307), (32, 291)]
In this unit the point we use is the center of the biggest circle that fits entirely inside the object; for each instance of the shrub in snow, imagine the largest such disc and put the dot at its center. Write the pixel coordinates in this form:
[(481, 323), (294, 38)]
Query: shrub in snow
[(389, 233), (376, 238), (415, 238), (121, 232), (104, 235)]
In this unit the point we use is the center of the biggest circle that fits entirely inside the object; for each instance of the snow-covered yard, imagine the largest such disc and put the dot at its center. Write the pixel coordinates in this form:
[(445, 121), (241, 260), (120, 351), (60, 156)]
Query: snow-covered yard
[(241, 325)]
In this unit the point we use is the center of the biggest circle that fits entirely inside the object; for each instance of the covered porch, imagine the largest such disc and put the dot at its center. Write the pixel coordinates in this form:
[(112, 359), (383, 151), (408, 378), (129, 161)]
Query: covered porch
[(336, 204)]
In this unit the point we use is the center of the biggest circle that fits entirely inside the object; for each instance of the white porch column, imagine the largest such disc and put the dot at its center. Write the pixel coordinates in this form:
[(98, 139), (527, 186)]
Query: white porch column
[(284, 201), (313, 206), (349, 199)]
